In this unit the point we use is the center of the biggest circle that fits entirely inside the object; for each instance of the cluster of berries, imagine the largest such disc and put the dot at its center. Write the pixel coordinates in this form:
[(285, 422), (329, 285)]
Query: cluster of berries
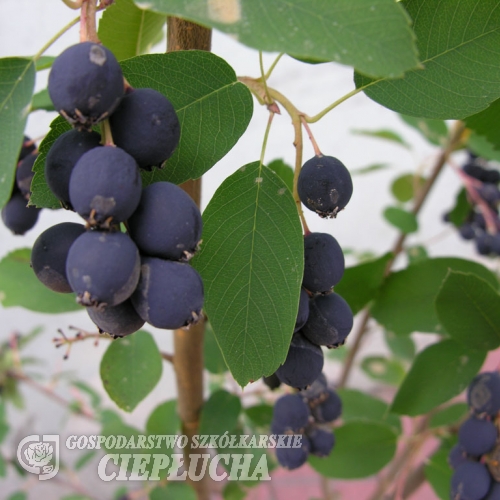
[(482, 223), (16, 215), (475, 459), (307, 414), (123, 279)]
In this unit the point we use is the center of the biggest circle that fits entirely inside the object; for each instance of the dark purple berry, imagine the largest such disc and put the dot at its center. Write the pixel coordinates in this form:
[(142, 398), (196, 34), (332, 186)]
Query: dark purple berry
[(273, 382), (317, 391), (323, 262), (470, 481), (322, 441), (324, 185), (303, 363), (489, 193), (477, 436), (105, 185), (473, 170), (293, 458), (103, 268), (328, 409), (491, 176), (24, 174), (119, 320), (494, 493), (483, 393), (479, 220), (169, 294), (28, 147), (303, 312), (290, 414), (167, 222), (146, 126), (18, 217), (49, 254), (466, 231), (330, 320), (86, 84), (62, 157), (457, 456), (484, 243)]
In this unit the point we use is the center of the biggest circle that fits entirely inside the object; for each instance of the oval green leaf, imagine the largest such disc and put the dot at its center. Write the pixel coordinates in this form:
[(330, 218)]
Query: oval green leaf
[(458, 43), (374, 36), (220, 413), (164, 419), (362, 448), (130, 369), (251, 262), (405, 221), (439, 372)]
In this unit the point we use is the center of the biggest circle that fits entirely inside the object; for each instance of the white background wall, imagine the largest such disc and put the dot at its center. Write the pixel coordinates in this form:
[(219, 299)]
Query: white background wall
[(25, 25)]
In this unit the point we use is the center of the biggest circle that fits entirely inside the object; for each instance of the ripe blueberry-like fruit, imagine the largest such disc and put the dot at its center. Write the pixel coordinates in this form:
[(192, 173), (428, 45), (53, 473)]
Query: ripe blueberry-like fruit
[(330, 320), (167, 222), (62, 157), (105, 185), (49, 254), (303, 363), (329, 407), (477, 436), (470, 481), (494, 493), (293, 458), (290, 414), (27, 148), (322, 441), (324, 185), (17, 216), (24, 174), (483, 393), (119, 320), (317, 391), (303, 312), (467, 231), (103, 268), (323, 262), (86, 84), (457, 456), (273, 382), (146, 126), (169, 294)]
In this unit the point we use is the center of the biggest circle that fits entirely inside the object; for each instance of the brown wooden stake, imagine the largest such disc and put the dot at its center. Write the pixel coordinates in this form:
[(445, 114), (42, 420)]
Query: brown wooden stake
[(188, 344)]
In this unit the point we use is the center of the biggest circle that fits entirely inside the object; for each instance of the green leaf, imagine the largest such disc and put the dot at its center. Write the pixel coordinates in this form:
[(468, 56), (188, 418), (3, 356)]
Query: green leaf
[(284, 171), (18, 495), (485, 124), (400, 346), (130, 369), (438, 473), (435, 131), (164, 419), (20, 287), (41, 195), (362, 449), (144, 29), (360, 283), (461, 210), (252, 232), (17, 81), (44, 62), (405, 221), (469, 310), (374, 36), (95, 399), (370, 168), (358, 405), (84, 459), (233, 491), (482, 147), (41, 100), (403, 187), (214, 360), (214, 109), (451, 415), (416, 254), (387, 135), (405, 303), (261, 414), (439, 372), (458, 43), (3, 468), (383, 369), (173, 491), (220, 413)]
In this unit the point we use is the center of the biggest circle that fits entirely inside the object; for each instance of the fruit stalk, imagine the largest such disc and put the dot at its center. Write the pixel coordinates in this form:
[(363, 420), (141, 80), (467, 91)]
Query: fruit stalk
[(188, 344)]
